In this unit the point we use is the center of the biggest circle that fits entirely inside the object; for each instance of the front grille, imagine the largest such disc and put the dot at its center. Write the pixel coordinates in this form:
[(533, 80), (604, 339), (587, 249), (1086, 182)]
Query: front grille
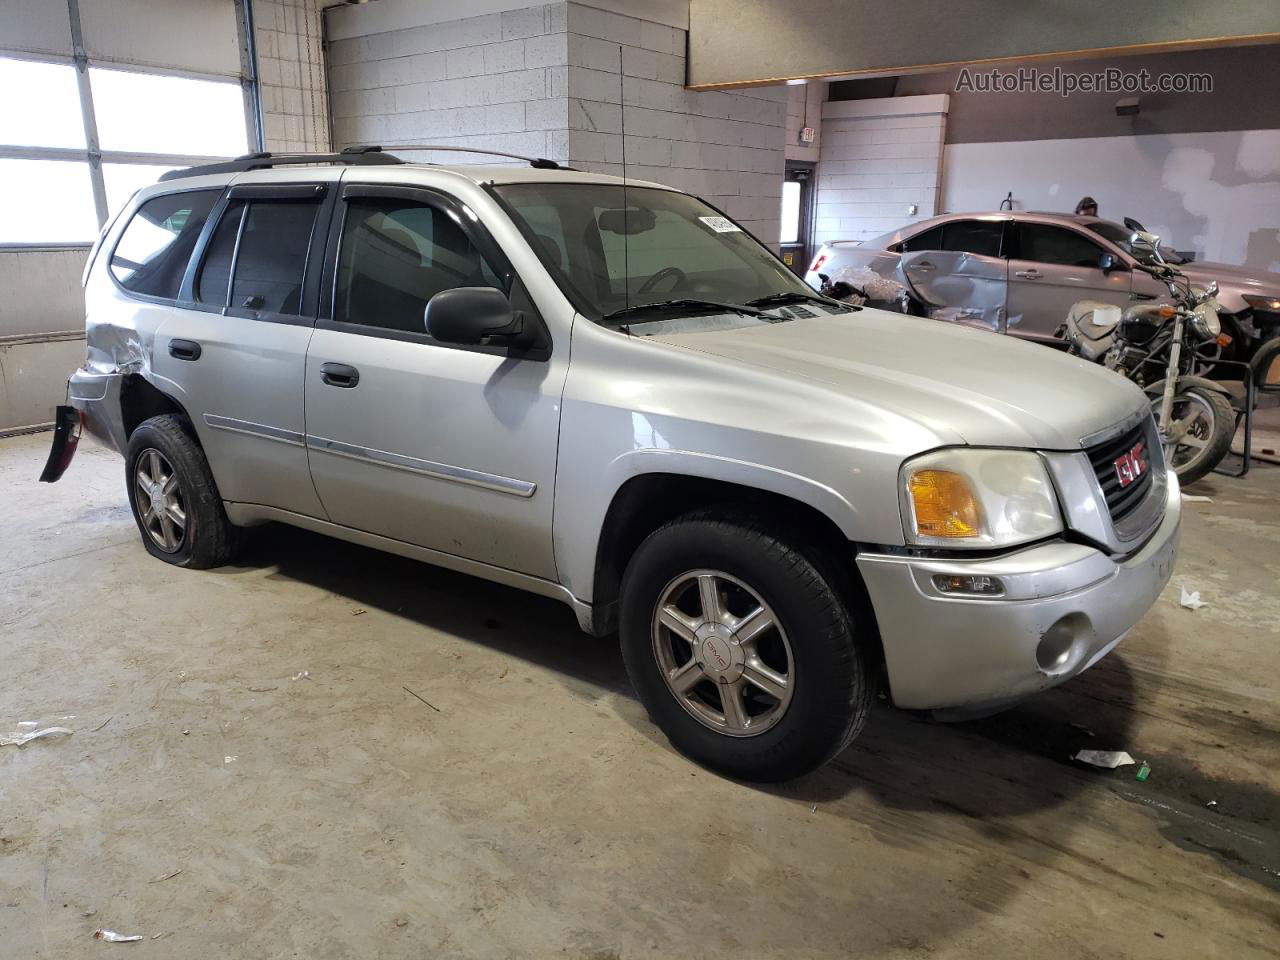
[(1122, 500)]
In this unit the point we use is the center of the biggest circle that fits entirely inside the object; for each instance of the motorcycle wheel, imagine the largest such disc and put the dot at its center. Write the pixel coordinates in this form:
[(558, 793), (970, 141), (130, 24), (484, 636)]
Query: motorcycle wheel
[(1266, 365), (1201, 432)]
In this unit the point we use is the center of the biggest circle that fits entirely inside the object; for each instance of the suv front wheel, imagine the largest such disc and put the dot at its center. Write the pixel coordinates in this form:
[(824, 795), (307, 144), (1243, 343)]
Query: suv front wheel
[(174, 499), (740, 649)]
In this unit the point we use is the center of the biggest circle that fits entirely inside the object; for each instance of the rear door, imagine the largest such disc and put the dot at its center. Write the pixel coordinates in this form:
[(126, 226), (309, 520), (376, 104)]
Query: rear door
[(447, 446), (958, 271), (235, 349), (1054, 266)]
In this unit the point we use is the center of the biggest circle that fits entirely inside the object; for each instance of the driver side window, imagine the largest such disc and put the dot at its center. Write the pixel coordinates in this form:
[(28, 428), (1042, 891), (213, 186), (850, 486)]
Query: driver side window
[(395, 255), (1056, 245)]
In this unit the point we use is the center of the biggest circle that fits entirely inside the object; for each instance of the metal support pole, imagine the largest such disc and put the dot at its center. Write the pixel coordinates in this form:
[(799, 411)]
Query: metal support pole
[(87, 115)]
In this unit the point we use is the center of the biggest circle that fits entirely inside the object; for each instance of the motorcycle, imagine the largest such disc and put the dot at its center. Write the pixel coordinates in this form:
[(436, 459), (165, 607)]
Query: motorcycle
[(1161, 348)]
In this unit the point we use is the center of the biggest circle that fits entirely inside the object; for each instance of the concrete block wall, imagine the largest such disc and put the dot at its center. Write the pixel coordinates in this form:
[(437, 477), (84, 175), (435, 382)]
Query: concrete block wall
[(552, 81), (878, 159), (288, 35), (724, 146), (497, 81), (804, 109)]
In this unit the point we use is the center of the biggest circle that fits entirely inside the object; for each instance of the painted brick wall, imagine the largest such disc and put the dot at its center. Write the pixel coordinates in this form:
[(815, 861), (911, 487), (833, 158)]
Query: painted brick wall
[(878, 158), (804, 109), (497, 81), (551, 81), (725, 146), (295, 111)]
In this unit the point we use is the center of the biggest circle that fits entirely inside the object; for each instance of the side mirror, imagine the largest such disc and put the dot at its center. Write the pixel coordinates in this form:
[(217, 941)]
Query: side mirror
[(472, 314), (1144, 243), (1107, 262)]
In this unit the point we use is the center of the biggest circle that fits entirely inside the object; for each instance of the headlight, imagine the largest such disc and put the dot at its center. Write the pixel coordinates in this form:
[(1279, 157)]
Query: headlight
[(1265, 304), (1205, 322), (978, 498)]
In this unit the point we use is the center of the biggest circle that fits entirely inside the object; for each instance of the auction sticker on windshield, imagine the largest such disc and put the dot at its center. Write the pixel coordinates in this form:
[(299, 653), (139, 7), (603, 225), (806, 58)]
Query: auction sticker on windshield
[(721, 224)]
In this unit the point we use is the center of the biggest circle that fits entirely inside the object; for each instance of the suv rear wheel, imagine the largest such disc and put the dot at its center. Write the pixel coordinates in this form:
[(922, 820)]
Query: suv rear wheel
[(174, 499), (740, 648)]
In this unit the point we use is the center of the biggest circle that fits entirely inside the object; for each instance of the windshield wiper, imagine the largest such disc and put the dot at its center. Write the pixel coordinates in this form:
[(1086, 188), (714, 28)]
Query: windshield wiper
[(664, 306), (775, 299)]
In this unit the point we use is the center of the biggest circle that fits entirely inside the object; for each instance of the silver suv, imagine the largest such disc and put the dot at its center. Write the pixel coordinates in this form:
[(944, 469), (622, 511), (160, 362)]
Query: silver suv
[(607, 392)]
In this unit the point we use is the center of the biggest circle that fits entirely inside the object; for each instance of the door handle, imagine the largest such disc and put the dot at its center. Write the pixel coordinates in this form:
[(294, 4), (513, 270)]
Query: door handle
[(339, 375), (1032, 274), (184, 349), (923, 265)]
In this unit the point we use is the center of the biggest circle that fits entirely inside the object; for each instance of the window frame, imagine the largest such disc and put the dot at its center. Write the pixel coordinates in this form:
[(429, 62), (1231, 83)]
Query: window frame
[(299, 190), (475, 231)]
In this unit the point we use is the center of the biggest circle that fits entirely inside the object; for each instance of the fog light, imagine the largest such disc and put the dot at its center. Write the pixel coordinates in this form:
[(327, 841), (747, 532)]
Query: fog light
[(969, 585), (1059, 645)]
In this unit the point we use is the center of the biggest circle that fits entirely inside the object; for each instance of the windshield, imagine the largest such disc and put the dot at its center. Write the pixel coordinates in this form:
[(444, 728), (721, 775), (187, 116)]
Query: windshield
[(656, 246), (1120, 237)]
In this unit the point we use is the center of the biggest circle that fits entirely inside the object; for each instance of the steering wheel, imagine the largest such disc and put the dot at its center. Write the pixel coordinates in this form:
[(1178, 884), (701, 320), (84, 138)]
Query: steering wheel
[(648, 286)]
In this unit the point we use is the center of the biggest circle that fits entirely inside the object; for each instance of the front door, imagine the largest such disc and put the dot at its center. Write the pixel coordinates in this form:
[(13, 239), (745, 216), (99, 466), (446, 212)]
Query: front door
[(233, 351), (444, 446), (1053, 267)]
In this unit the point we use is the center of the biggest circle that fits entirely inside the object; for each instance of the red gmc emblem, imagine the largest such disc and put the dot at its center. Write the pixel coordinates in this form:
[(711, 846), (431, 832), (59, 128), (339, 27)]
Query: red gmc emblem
[(1130, 465)]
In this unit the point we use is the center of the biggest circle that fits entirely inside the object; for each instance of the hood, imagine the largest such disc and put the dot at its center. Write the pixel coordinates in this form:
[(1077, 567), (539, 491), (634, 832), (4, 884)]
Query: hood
[(1233, 279), (987, 389)]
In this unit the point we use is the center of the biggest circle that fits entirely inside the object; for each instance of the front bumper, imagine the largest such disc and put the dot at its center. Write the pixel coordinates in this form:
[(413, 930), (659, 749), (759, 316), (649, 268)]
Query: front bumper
[(1065, 606)]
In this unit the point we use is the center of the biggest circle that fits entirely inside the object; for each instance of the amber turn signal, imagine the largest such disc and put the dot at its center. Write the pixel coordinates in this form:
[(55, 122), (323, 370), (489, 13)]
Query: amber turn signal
[(943, 504)]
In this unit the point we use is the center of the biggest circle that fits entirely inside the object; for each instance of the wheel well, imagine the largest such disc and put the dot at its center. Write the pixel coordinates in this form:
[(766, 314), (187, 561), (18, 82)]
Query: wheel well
[(141, 400), (646, 502)]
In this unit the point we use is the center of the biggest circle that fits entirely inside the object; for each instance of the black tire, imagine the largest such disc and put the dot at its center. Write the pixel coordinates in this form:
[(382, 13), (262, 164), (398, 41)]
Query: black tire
[(1218, 436), (207, 537), (1265, 364), (832, 683)]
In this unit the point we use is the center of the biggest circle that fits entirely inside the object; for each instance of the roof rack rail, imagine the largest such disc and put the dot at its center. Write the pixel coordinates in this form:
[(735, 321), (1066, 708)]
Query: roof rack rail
[(364, 154), (538, 163), (358, 155)]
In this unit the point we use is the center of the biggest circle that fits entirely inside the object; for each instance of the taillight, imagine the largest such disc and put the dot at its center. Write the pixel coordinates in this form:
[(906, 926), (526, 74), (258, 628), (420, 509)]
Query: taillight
[(818, 261)]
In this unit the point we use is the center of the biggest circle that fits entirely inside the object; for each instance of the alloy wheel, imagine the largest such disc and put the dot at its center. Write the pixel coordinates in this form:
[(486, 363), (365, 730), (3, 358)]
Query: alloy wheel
[(161, 506), (1189, 432), (723, 653)]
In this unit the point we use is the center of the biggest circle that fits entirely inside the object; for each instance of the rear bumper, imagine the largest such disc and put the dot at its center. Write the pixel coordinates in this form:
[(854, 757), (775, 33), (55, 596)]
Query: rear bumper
[(1065, 606), (97, 397)]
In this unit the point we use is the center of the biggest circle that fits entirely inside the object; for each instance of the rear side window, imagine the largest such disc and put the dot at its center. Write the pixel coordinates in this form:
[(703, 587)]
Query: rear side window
[(395, 256), (1048, 244), (929, 240), (258, 255), (155, 247), (973, 236)]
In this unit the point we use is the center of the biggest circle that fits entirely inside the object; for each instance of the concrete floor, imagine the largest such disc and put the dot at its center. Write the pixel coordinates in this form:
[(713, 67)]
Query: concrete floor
[(251, 728)]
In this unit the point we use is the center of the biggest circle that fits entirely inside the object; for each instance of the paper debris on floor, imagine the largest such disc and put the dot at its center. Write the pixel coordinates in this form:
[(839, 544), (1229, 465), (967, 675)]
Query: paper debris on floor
[(1196, 498), (1110, 759), (112, 937), (22, 736), (1191, 600)]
